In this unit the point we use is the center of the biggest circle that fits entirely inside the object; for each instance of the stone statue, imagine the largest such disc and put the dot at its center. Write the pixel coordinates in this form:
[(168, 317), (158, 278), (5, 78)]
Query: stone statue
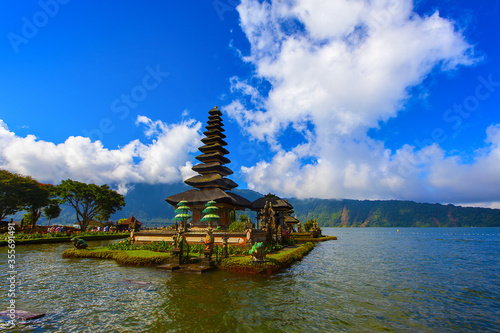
[(248, 224), (209, 240), (249, 236), (181, 239), (224, 246), (268, 223), (180, 246), (258, 252), (79, 243), (316, 230)]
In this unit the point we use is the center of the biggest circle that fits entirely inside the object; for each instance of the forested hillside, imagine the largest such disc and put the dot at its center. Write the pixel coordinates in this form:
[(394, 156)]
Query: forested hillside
[(392, 213), (147, 203)]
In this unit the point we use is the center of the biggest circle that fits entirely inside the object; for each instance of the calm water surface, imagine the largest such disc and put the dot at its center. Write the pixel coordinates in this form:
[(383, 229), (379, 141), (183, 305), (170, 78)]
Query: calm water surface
[(369, 280)]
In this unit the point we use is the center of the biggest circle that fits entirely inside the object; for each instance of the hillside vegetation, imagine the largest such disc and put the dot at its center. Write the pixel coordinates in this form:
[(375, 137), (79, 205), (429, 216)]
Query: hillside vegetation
[(147, 203), (392, 213)]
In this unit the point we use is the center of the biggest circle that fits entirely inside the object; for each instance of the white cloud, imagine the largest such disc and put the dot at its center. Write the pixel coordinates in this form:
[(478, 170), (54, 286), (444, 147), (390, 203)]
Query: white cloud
[(493, 205), (344, 71), (162, 161), (366, 170), (342, 67)]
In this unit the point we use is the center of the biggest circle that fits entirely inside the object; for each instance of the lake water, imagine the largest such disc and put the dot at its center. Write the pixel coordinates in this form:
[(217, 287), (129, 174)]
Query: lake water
[(369, 280)]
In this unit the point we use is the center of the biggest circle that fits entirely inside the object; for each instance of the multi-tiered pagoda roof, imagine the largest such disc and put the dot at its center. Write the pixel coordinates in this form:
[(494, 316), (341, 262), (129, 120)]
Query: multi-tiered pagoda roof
[(211, 182)]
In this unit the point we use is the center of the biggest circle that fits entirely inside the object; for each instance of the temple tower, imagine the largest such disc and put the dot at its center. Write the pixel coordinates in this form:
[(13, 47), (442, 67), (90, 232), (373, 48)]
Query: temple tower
[(212, 171), (211, 182)]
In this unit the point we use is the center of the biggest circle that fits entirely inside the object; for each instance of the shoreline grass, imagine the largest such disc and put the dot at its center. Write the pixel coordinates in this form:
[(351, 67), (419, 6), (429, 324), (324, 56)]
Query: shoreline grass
[(65, 239), (276, 261), (237, 263), (128, 258), (314, 240)]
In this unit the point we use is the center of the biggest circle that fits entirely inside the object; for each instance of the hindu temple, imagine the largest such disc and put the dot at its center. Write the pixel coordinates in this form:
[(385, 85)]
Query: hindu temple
[(211, 182), (210, 186)]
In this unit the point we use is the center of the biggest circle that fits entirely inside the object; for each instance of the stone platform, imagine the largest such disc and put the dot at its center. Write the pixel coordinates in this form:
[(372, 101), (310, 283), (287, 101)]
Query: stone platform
[(187, 268), (196, 235)]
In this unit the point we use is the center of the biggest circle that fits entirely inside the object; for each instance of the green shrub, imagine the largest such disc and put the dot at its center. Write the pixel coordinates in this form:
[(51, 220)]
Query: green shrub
[(162, 246), (237, 250), (124, 245), (237, 226), (275, 263), (308, 225), (273, 247)]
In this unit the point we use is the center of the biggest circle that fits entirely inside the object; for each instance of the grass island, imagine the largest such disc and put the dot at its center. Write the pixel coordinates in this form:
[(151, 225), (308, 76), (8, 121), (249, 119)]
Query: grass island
[(159, 253)]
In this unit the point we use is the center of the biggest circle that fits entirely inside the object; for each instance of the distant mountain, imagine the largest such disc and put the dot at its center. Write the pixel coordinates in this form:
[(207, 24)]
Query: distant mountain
[(250, 195), (392, 213), (147, 203)]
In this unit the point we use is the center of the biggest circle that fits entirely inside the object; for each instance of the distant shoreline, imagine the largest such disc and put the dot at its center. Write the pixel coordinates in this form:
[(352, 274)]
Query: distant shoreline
[(65, 239)]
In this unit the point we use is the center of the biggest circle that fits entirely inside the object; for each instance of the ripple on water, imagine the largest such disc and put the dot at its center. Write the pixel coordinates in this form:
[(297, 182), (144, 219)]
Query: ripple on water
[(369, 280)]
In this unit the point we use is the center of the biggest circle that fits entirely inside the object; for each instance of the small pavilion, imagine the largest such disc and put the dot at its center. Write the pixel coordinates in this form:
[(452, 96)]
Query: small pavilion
[(211, 182), (280, 206), (129, 223), (291, 221)]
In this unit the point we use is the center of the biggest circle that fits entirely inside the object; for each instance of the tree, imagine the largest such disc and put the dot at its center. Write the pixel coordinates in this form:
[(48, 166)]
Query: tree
[(9, 193), (232, 216), (308, 225), (36, 197), (89, 200), (18, 193), (243, 218), (52, 211)]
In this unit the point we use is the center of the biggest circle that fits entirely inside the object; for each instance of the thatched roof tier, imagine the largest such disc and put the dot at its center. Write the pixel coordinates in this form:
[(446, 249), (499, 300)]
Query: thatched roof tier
[(290, 220), (217, 121), (215, 112), (215, 127), (213, 148), (130, 220), (214, 133), (197, 197), (214, 180), (214, 117), (212, 167), (210, 183), (215, 157), (277, 203), (214, 140)]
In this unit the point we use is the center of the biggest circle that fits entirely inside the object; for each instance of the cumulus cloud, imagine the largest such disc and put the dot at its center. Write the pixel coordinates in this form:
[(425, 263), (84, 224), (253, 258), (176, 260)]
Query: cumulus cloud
[(366, 170), (162, 161), (336, 69)]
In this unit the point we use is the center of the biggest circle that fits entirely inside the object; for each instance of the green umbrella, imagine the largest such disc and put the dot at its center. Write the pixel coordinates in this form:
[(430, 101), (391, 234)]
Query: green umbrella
[(181, 209), (210, 209), (181, 217), (210, 217)]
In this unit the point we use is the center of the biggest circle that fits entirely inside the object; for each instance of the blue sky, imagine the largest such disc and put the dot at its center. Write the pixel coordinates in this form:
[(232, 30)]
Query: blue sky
[(387, 99)]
